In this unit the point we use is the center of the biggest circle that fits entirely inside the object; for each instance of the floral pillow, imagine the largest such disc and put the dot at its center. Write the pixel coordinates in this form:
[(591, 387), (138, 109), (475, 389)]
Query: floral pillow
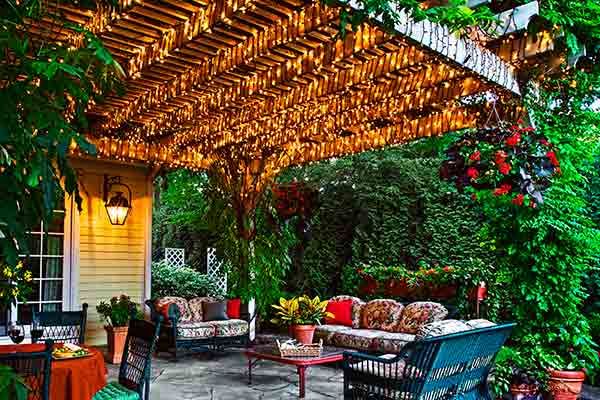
[(381, 314), (420, 313), (162, 305), (357, 305)]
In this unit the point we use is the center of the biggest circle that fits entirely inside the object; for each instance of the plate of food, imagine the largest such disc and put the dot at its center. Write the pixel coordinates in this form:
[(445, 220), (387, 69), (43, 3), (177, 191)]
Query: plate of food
[(69, 351)]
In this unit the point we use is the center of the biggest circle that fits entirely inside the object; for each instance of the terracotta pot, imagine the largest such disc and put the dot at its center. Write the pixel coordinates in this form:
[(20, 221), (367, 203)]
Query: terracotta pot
[(565, 385), (304, 333), (524, 392), (116, 342)]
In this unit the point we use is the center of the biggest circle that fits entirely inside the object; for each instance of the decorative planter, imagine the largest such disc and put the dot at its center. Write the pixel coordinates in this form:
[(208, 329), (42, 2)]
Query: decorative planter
[(304, 333), (116, 342), (524, 392), (565, 385), (443, 292)]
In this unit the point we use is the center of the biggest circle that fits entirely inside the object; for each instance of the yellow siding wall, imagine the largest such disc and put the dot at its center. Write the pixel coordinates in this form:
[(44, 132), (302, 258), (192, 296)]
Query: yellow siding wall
[(109, 260)]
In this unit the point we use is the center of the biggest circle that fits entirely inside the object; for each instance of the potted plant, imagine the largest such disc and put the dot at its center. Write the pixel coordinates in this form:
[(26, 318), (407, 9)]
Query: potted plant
[(301, 314), (117, 313)]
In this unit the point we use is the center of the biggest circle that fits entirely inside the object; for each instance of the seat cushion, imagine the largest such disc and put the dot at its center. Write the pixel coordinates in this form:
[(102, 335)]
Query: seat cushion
[(185, 314), (230, 327), (357, 304), (391, 342), (479, 323), (382, 314), (115, 391), (394, 370), (196, 330), (325, 332), (360, 339), (440, 328), (195, 305), (420, 313)]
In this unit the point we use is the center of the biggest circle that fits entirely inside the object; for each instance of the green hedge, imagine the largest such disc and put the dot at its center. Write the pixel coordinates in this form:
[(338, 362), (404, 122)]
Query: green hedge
[(180, 282)]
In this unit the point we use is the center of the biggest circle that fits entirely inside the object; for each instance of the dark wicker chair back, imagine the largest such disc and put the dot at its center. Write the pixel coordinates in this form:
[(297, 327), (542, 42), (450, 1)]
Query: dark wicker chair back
[(438, 368), (63, 326), (34, 368), (134, 373)]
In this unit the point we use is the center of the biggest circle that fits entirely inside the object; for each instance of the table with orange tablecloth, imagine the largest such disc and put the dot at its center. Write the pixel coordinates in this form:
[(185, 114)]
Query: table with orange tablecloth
[(76, 379)]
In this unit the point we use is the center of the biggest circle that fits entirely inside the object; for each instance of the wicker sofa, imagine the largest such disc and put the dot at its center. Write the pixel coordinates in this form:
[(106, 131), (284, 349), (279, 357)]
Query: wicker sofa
[(386, 326), (185, 329)]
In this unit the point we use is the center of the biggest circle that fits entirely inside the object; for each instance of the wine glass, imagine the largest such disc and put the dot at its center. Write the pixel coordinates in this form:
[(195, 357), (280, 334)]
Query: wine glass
[(37, 331), (16, 333)]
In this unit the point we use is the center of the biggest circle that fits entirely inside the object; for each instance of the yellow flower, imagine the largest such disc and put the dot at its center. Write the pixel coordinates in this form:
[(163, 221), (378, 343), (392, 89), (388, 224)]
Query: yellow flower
[(15, 292), (7, 272), (28, 276), (20, 265)]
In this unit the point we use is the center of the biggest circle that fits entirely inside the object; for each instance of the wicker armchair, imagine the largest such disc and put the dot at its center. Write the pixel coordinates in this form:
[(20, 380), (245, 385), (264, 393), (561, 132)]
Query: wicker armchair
[(437, 368), (34, 368), (134, 373), (63, 326)]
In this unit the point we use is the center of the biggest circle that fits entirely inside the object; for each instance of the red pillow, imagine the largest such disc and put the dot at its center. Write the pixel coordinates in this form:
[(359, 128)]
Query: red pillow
[(233, 308), (342, 312)]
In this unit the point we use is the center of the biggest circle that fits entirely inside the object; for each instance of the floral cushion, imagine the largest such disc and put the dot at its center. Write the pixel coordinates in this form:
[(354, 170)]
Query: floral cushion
[(479, 323), (440, 328), (325, 332), (361, 339), (230, 327), (195, 330), (195, 305), (394, 370), (420, 313), (185, 314), (391, 342), (381, 314), (357, 305)]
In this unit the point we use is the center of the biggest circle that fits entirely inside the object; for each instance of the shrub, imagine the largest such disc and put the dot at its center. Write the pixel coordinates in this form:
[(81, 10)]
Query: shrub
[(181, 282)]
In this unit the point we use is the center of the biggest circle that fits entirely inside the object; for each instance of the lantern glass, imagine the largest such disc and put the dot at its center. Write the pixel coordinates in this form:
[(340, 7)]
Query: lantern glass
[(117, 208)]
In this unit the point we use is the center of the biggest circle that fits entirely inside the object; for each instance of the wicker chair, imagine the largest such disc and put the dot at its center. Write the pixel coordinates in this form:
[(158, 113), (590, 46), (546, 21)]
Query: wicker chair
[(437, 368), (34, 368), (134, 373), (63, 326)]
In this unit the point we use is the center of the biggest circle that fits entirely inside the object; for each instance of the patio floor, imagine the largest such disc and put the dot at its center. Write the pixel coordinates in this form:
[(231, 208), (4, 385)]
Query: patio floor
[(225, 377)]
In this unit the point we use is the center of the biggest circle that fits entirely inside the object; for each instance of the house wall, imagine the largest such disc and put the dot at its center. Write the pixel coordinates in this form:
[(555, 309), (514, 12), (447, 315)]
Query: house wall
[(107, 260)]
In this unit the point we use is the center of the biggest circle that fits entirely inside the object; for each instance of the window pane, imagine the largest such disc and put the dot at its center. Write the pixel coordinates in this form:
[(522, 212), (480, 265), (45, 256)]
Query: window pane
[(35, 292), (4, 318), (53, 245), (57, 223), (25, 313), (32, 264), (52, 307), (52, 267), (51, 290), (33, 244)]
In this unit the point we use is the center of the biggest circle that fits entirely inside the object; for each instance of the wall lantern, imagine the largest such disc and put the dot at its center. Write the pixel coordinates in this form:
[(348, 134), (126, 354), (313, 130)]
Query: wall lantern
[(117, 205)]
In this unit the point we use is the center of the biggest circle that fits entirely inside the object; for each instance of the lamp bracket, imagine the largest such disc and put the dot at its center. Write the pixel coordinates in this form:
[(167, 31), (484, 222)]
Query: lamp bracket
[(109, 182)]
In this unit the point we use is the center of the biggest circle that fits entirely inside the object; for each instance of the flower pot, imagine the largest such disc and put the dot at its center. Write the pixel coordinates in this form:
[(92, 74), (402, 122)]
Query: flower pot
[(304, 333), (565, 385), (116, 342), (524, 392)]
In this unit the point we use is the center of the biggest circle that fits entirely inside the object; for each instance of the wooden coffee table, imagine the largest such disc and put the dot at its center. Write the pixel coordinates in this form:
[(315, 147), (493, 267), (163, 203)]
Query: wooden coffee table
[(270, 352)]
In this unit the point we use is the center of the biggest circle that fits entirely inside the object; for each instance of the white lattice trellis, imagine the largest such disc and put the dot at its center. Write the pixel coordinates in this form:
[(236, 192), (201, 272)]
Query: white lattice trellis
[(215, 270), (175, 257)]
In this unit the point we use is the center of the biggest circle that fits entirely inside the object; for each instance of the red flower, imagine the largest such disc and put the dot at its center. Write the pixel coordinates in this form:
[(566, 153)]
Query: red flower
[(502, 190), (500, 157), (474, 197), (552, 157), (518, 200), (544, 142), (472, 173), (504, 168), (532, 204), (475, 156), (514, 139), (558, 170), (448, 269)]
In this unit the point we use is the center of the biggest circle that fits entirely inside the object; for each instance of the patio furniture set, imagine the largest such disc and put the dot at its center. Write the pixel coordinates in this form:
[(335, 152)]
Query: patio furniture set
[(387, 350)]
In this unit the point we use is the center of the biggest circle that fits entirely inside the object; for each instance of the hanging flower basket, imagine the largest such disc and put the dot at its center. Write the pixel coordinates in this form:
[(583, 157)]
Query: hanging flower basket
[(512, 162), (294, 199)]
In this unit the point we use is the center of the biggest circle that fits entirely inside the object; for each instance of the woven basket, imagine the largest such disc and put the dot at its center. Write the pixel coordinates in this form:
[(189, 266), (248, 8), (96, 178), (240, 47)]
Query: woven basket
[(305, 350)]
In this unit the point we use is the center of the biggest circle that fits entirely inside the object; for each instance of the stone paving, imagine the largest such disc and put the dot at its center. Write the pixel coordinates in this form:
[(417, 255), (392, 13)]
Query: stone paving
[(224, 376)]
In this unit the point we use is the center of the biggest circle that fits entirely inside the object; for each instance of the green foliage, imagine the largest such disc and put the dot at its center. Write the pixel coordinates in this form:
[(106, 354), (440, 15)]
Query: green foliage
[(384, 208), (118, 311), (12, 386), (181, 282), (46, 87), (300, 311)]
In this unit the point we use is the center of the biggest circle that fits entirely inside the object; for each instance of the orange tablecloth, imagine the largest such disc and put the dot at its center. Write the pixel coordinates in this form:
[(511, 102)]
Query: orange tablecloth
[(77, 379)]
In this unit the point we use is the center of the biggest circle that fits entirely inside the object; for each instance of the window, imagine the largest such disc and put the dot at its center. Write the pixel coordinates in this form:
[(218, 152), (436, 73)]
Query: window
[(46, 262)]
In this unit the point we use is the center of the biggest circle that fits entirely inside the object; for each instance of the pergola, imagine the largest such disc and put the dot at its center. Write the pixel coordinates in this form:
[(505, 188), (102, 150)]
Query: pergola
[(252, 86)]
